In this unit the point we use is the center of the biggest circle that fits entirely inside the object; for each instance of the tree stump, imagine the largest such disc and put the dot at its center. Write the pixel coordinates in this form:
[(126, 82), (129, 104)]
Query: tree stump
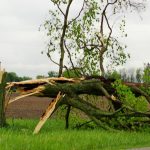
[(2, 98)]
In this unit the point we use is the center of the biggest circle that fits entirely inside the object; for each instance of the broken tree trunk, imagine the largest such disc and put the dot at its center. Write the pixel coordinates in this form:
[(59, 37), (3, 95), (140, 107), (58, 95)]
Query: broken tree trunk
[(72, 88), (2, 98)]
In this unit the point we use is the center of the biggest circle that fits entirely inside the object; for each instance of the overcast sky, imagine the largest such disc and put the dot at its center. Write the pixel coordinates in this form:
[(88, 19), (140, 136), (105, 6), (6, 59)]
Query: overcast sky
[(21, 43)]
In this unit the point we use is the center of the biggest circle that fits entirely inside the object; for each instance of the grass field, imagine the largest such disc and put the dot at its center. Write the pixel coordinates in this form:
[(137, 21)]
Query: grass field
[(18, 136)]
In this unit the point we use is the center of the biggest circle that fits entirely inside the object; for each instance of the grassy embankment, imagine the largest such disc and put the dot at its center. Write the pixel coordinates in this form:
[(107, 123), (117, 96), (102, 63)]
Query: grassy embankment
[(18, 136)]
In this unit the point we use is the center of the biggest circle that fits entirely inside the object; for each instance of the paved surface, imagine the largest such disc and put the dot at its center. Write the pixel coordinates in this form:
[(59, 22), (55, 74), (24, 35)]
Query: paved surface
[(146, 148)]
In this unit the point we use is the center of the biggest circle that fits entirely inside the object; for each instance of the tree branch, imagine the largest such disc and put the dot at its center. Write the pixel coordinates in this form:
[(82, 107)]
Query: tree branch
[(78, 14), (48, 54), (60, 9), (62, 38), (71, 59)]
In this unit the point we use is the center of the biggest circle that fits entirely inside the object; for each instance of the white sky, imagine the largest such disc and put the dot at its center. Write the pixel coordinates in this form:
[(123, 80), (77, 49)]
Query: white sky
[(21, 43)]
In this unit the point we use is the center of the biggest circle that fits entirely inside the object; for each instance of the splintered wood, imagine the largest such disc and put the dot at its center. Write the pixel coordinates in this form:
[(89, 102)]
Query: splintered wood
[(48, 112), (22, 96), (51, 80), (31, 86)]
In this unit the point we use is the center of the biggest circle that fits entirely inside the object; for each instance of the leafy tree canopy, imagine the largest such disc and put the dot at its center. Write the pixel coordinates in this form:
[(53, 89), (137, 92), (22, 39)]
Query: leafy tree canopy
[(91, 36)]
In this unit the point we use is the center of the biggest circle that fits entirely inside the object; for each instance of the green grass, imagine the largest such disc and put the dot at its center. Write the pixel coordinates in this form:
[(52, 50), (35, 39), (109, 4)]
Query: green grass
[(18, 136)]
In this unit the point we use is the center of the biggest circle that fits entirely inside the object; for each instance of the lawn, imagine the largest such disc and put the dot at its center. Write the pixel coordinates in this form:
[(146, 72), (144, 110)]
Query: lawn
[(18, 136)]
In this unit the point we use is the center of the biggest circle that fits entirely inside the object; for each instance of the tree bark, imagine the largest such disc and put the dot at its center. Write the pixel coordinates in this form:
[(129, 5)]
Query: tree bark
[(2, 98), (62, 49), (67, 116), (72, 88)]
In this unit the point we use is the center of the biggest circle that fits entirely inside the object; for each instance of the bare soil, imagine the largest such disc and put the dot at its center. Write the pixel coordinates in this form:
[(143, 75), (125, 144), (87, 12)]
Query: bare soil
[(30, 107), (33, 107)]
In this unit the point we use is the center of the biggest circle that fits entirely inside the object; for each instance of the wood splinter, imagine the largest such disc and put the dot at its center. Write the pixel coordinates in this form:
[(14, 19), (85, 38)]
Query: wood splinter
[(48, 112)]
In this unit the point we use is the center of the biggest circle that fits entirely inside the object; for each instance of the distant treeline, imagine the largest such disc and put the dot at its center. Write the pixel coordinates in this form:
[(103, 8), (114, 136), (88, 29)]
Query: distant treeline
[(128, 75), (13, 77), (138, 75)]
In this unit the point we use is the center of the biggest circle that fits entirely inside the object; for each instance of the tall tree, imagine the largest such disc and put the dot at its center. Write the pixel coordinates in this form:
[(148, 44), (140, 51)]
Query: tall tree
[(146, 74), (90, 35), (139, 75), (57, 28)]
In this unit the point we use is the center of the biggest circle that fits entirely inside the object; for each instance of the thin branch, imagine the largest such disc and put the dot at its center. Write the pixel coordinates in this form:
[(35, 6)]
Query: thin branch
[(67, 70), (101, 25), (110, 28), (48, 54), (60, 9), (7, 97), (103, 13), (69, 54), (136, 5), (110, 98), (23, 96), (78, 14), (80, 125), (61, 61), (93, 46)]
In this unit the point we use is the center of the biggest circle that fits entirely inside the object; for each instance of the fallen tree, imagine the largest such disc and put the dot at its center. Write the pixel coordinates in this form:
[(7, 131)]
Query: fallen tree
[(73, 88)]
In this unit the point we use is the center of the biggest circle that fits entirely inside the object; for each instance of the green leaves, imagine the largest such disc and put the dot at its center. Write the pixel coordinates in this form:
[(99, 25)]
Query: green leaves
[(125, 95), (146, 75), (89, 34)]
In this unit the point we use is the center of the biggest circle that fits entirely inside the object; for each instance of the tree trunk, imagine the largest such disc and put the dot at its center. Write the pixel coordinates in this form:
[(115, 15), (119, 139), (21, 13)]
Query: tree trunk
[(67, 116), (2, 98), (62, 50)]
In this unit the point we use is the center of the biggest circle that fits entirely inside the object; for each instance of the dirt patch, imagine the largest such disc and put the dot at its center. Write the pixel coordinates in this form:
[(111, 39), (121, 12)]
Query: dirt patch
[(34, 107), (30, 107)]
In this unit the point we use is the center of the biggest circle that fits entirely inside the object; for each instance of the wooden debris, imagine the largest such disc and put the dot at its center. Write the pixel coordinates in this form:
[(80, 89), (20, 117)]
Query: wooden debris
[(47, 113), (51, 81), (29, 93), (22, 96), (113, 98)]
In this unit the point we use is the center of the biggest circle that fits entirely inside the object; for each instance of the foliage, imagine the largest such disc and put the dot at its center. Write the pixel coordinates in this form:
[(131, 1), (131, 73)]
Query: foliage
[(143, 74), (139, 75), (87, 37), (128, 98), (146, 79), (131, 103), (113, 75), (13, 77), (52, 74), (40, 76), (94, 45), (72, 73), (146, 75)]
